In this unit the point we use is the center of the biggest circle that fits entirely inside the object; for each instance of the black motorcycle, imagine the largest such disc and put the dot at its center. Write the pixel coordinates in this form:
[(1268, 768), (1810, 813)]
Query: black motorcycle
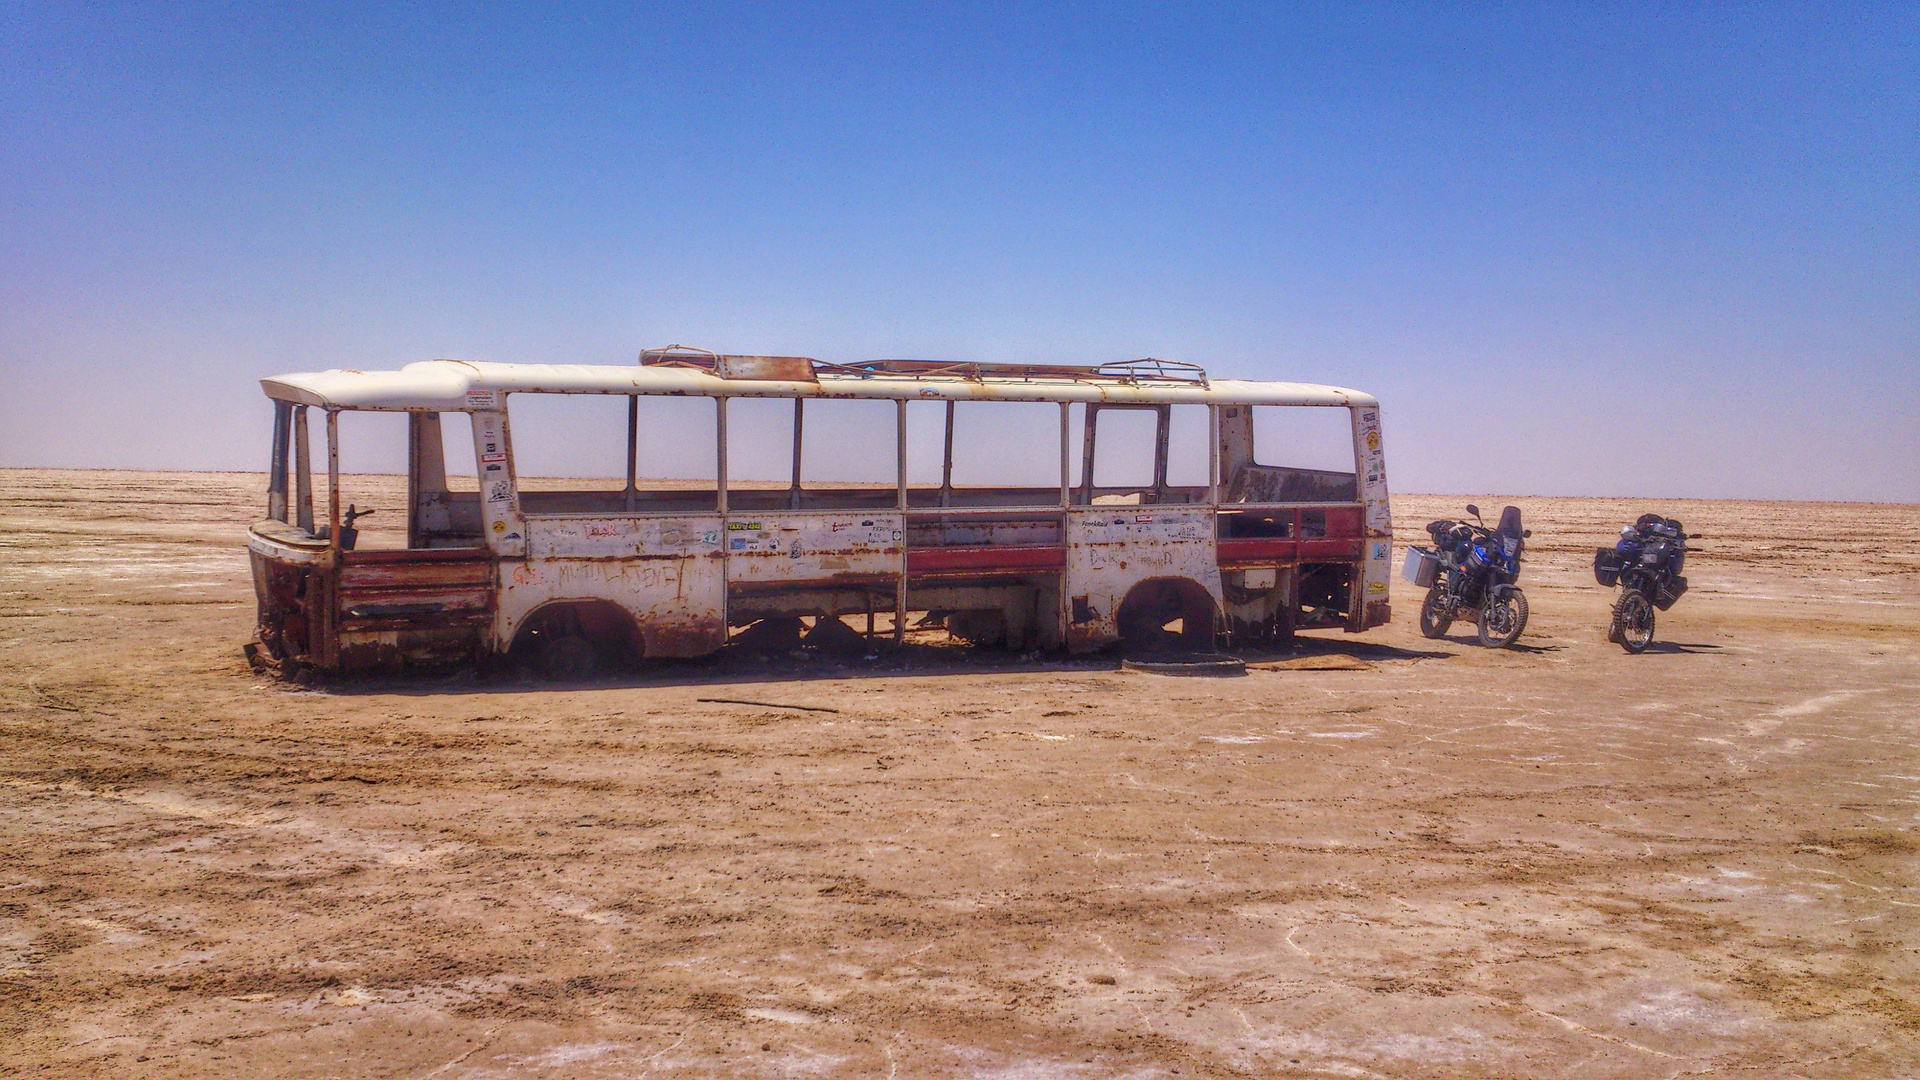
[(1646, 564), (1472, 574)]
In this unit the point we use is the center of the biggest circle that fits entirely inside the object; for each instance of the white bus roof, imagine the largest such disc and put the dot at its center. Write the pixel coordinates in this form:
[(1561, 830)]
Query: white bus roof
[(444, 385)]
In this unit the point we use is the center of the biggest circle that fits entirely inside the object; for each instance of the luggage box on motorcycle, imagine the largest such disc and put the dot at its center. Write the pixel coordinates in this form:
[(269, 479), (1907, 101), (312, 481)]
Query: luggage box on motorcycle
[(1421, 568), (1607, 564), (1669, 591)]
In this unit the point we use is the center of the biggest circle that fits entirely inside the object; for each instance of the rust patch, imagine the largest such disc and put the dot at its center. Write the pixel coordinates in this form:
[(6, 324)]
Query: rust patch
[(679, 638), (1378, 613)]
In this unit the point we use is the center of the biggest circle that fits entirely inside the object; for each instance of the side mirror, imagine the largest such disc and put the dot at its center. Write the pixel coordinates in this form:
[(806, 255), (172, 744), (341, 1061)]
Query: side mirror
[(1524, 533), (1472, 509)]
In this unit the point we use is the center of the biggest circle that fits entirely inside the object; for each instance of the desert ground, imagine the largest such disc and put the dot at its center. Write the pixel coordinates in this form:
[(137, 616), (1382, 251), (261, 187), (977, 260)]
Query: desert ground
[(1390, 857)]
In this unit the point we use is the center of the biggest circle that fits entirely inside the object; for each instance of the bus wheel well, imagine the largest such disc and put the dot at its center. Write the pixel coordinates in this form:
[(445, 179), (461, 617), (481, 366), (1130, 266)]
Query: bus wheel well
[(578, 638), (1146, 615)]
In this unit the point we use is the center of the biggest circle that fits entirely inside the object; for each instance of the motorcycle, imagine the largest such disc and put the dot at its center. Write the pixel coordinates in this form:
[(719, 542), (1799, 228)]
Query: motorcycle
[(1471, 573), (1646, 564)]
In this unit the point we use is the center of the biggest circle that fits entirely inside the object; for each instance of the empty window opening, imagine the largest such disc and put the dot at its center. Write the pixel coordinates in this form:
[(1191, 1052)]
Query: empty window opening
[(1189, 465), (926, 448), (848, 454), (456, 449), (394, 488), (373, 477), (1006, 445), (1125, 442), (444, 508), (1303, 437), (677, 444), (676, 454), (614, 454), (983, 453), (1300, 454), (1076, 444), (569, 442), (759, 453)]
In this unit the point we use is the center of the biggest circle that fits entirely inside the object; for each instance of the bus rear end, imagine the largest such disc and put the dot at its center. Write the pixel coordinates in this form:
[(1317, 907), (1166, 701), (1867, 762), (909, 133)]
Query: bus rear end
[(1305, 535)]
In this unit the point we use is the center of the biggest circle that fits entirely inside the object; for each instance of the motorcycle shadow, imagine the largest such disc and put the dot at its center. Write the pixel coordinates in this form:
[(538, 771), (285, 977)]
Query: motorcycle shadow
[(1519, 646), (1682, 648), (1307, 648), (1523, 647)]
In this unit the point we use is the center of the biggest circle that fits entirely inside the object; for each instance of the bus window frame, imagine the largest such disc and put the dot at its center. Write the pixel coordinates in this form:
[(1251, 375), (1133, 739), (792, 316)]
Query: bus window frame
[(723, 489), (292, 440), (1162, 440)]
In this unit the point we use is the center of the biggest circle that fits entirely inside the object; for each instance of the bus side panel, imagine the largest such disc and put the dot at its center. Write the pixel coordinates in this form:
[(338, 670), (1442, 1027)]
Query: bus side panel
[(1371, 465), (395, 609), (813, 546), (1111, 549), (667, 574)]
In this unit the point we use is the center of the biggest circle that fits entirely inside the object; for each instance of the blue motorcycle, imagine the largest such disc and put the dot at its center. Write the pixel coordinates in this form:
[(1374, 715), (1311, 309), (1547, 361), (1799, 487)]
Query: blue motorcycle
[(1646, 564), (1473, 573)]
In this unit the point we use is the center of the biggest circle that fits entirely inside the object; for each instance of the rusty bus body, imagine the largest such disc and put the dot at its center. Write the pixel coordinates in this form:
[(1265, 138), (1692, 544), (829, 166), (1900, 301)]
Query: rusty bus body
[(1254, 552)]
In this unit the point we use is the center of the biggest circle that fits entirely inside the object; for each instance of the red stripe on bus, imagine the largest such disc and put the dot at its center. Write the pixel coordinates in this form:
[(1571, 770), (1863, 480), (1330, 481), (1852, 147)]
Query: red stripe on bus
[(1330, 550), (1267, 550)]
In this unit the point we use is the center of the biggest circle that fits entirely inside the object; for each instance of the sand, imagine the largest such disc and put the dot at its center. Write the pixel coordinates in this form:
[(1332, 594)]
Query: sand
[(1392, 858)]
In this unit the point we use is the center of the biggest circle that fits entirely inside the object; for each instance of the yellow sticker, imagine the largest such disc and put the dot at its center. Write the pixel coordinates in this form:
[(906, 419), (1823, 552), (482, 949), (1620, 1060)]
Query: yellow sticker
[(499, 526)]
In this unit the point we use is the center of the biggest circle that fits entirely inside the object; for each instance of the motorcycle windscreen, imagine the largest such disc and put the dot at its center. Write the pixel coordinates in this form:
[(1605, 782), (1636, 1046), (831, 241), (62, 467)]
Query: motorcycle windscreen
[(1509, 522), (1510, 532)]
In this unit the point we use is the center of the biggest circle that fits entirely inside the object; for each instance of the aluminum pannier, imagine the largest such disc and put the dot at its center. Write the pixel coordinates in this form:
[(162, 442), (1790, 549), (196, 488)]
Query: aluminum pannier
[(1422, 567)]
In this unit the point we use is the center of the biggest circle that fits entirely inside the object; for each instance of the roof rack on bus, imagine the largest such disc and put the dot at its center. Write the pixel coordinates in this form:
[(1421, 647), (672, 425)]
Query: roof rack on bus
[(1148, 370), (1136, 372), (688, 356), (727, 366), (1154, 369)]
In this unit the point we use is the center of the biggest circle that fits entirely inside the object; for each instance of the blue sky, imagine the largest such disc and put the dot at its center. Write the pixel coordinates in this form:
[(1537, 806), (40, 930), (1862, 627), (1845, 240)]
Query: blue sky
[(1637, 249)]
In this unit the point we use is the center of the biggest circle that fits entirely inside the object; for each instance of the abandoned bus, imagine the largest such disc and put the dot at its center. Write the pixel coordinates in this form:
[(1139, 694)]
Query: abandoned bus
[(1031, 506)]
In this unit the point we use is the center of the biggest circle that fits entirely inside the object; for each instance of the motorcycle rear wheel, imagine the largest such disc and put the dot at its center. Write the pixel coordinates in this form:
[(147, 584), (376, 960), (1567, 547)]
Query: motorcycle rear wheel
[(1434, 619), (1502, 619), (1633, 619)]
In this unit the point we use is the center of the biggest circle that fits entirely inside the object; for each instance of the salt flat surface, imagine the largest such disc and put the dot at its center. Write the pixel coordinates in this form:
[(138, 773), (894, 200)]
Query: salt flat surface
[(1551, 861)]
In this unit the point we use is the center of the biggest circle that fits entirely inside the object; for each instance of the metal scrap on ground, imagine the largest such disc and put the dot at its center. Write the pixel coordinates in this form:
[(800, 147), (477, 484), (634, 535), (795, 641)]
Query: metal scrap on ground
[(764, 704)]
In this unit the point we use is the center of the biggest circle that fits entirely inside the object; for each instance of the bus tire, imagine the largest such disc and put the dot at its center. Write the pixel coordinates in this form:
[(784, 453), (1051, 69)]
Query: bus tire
[(577, 639), (568, 658)]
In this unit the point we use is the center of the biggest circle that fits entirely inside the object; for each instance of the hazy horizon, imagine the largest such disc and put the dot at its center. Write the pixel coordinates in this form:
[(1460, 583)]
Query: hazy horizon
[(321, 482), (1634, 251)]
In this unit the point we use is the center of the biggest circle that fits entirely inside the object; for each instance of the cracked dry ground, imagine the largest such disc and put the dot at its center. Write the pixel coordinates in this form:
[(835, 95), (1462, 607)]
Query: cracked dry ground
[(1437, 861)]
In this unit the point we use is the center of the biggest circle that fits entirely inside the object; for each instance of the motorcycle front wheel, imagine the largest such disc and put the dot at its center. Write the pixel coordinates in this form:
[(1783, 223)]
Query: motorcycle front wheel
[(1633, 619), (1434, 618), (1502, 618)]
